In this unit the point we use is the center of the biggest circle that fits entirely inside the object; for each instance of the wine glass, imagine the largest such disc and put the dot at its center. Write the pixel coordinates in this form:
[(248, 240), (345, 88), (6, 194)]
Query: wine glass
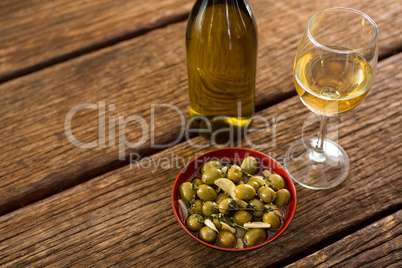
[(334, 69)]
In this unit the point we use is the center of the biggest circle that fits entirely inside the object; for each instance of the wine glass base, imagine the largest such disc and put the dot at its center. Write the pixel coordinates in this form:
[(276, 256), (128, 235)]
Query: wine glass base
[(317, 170)]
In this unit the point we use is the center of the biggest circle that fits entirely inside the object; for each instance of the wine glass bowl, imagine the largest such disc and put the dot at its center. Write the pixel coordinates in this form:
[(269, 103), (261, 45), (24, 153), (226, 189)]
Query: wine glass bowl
[(334, 70)]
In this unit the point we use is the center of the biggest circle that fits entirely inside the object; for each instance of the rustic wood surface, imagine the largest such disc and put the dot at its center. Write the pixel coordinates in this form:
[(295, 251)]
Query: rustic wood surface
[(125, 217), (37, 33), (37, 158), (377, 245)]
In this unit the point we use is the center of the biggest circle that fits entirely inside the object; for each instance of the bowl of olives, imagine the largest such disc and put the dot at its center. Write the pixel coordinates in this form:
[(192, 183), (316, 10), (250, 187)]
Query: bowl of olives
[(234, 199)]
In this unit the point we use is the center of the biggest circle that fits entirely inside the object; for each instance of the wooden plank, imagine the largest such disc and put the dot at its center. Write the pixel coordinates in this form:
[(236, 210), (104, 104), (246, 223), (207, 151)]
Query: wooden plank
[(36, 33), (377, 245), (125, 217), (37, 158)]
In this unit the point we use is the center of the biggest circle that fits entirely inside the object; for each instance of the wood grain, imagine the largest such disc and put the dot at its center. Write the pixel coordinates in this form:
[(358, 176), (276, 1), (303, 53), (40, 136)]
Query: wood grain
[(124, 217), (377, 245), (36, 33), (37, 158)]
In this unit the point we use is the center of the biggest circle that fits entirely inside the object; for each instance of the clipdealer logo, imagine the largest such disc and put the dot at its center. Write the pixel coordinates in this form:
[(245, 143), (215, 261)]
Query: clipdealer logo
[(115, 127)]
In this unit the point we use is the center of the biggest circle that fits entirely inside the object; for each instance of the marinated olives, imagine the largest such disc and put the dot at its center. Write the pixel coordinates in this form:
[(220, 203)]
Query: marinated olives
[(232, 206)]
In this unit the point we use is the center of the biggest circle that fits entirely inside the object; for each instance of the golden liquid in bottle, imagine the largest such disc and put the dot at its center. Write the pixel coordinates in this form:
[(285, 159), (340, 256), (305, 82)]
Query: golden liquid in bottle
[(221, 42), (331, 83)]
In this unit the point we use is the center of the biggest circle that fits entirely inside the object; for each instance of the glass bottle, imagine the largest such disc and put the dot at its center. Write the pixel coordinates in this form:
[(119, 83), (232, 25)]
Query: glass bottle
[(221, 43)]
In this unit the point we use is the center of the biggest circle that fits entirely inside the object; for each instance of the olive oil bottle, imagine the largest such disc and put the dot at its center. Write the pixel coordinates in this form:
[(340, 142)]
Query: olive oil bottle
[(221, 43)]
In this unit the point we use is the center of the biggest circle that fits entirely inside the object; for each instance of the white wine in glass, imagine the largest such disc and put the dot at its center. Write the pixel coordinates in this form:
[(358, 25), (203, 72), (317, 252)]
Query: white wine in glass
[(333, 72)]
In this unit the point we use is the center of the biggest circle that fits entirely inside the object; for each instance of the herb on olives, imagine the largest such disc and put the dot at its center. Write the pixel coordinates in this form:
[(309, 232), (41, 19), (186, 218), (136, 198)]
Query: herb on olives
[(258, 207), (227, 206), (236, 211), (194, 222)]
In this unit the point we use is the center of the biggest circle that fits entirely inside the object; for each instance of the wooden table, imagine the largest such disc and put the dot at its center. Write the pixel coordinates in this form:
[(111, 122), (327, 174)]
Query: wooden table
[(64, 206)]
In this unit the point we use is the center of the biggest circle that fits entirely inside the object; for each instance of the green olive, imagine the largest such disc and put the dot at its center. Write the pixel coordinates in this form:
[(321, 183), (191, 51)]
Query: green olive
[(242, 216), (277, 181), (212, 174), (187, 193), (217, 224), (275, 209), (249, 165), (210, 164), (226, 239), (196, 207), (194, 222), (206, 193), (273, 219), (210, 208), (245, 192), (197, 182), (258, 205), (234, 173), (221, 196), (207, 234), (255, 236), (282, 197), (227, 206), (255, 183), (267, 194)]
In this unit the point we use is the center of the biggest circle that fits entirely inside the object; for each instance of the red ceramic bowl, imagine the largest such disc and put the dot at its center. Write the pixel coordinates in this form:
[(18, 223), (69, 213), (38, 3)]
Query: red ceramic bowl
[(226, 156)]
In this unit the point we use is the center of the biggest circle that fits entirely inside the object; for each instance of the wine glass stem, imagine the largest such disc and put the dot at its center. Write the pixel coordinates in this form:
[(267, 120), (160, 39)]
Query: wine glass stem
[(321, 135)]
